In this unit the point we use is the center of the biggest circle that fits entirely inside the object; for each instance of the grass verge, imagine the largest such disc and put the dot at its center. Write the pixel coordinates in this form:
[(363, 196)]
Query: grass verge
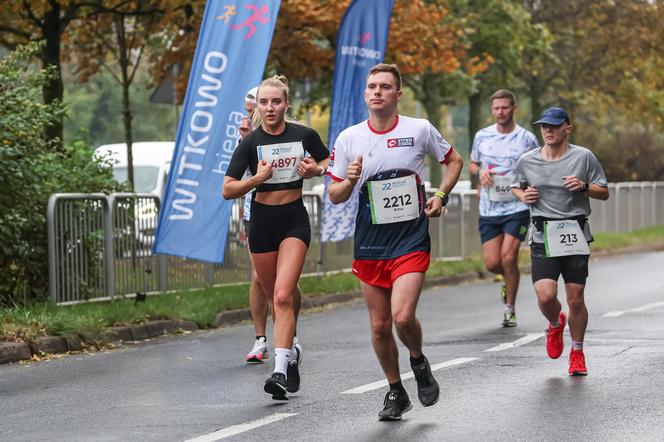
[(25, 323)]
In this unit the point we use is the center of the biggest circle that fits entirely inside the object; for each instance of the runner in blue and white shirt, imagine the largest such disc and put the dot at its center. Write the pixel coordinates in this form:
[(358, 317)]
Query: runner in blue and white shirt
[(384, 157), (503, 219)]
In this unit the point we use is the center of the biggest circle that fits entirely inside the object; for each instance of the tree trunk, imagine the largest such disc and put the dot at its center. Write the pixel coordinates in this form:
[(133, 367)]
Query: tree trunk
[(129, 136), (431, 102), (474, 112), (536, 108), (53, 89), (126, 103)]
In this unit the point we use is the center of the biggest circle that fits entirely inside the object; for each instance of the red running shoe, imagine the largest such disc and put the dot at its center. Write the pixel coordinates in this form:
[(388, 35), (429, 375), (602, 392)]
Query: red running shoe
[(577, 363), (554, 338)]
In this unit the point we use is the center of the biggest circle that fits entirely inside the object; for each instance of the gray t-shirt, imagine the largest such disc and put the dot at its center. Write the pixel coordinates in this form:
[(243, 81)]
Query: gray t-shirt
[(555, 201)]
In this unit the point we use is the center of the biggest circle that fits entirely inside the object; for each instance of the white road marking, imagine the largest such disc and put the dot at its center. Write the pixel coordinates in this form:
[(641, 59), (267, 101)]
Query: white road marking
[(237, 429), (633, 310), (518, 343), (380, 384)]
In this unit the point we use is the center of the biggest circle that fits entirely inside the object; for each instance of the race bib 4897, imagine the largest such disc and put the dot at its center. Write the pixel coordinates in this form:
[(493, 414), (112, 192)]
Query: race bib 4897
[(284, 158)]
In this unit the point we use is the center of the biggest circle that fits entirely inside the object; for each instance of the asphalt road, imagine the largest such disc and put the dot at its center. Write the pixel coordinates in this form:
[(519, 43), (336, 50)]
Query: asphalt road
[(196, 387)]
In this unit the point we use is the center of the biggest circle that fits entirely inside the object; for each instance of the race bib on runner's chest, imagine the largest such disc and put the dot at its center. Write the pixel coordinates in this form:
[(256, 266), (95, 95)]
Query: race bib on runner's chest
[(284, 158), (564, 238), (393, 200), (501, 190)]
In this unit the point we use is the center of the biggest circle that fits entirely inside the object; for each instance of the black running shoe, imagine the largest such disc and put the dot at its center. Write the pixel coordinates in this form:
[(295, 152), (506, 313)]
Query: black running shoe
[(396, 403), (293, 371), (427, 387), (276, 386)]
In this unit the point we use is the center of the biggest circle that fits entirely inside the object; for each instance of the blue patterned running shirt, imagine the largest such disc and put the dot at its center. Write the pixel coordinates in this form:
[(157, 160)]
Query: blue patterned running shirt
[(500, 152)]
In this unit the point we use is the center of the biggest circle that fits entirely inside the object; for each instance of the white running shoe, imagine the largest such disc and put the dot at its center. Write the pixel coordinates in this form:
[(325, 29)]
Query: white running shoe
[(509, 319), (259, 353)]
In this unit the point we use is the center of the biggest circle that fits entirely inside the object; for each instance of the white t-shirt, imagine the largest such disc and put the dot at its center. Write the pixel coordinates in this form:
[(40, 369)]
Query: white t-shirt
[(403, 146), (396, 152), (500, 152)]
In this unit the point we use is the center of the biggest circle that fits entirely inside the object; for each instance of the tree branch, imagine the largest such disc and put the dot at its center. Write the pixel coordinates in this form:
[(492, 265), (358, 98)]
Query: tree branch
[(111, 71), (31, 15), (17, 32)]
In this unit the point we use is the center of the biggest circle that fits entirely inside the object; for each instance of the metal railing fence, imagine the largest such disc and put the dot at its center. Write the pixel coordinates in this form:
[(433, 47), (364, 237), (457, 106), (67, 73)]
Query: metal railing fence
[(100, 245), (78, 247)]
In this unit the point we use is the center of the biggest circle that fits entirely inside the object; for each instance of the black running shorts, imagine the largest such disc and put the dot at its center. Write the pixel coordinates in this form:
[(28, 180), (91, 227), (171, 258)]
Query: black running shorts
[(269, 225), (574, 268)]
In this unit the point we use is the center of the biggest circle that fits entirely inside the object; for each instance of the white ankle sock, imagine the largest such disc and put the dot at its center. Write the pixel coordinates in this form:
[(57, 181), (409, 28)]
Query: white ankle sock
[(293, 351), (282, 356)]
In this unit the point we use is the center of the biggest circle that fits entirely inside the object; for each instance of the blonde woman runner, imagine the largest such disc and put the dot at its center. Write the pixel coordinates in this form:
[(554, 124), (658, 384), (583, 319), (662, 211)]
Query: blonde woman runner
[(280, 232)]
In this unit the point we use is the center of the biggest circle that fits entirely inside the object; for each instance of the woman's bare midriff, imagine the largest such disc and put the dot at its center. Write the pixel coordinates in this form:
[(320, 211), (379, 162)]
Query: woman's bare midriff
[(278, 197)]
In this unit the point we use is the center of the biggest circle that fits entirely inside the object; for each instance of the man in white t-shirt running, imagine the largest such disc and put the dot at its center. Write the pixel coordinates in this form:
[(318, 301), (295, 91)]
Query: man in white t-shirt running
[(503, 218), (384, 156)]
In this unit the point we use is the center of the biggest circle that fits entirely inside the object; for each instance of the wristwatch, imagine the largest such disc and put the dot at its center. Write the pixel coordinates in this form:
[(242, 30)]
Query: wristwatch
[(322, 171), (443, 196), (585, 187)]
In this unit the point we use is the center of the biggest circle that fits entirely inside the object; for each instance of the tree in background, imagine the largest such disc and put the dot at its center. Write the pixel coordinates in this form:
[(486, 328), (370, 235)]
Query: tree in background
[(608, 71), (599, 58), (302, 46), (30, 171), (503, 30), (94, 110), (438, 49), (176, 45), (115, 39), (47, 20), (304, 43), (433, 61)]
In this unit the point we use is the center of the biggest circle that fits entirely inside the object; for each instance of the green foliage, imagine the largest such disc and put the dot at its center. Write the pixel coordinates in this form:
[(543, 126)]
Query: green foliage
[(626, 152), (30, 171), (96, 107), (614, 240)]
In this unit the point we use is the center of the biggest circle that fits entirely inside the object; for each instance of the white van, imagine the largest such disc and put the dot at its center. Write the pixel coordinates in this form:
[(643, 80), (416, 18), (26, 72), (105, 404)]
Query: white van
[(152, 161)]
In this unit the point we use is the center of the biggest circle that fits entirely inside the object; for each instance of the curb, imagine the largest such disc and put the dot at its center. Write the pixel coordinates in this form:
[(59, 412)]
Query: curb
[(18, 351), (14, 352), (639, 248)]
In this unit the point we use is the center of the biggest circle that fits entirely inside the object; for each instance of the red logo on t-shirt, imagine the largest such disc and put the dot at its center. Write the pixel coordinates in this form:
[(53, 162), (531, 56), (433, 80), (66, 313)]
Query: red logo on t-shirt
[(400, 142)]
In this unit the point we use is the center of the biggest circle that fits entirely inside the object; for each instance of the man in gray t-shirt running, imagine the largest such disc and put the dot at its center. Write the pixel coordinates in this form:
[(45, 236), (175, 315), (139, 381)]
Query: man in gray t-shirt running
[(556, 181)]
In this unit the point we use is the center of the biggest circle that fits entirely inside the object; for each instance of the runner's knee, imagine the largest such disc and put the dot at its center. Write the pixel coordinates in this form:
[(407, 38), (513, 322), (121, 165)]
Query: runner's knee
[(575, 300), (404, 320), (546, 295), (283, 299), (381, 328), (509, 260), (493, 264), (575, 303)]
